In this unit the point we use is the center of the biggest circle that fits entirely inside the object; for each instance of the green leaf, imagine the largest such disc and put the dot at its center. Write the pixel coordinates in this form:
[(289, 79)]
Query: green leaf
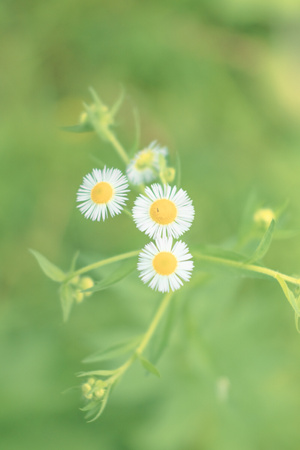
[(49, 269), (114, 351), (67, 300), (121, 272), (79, 128), (297, 323), (251, 205), (213, 259), (149, 366), (89, 406), (115, 108), (293, 300), (264, 244), (103, 405), (73, 263), (100, 373), (95, 97)]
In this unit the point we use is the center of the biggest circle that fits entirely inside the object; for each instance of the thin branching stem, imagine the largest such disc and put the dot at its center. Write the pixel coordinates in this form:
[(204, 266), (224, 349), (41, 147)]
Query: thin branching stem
[(249, 267), (105, 262), (146, 338)]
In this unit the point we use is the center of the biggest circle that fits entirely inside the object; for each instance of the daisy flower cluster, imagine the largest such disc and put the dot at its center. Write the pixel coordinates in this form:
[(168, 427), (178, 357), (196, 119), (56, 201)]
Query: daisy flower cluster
[(163, 213)]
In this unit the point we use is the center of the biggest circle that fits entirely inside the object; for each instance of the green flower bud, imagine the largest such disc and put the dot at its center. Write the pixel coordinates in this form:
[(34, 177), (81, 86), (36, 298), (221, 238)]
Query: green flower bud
[(87, 390), (99, 393)]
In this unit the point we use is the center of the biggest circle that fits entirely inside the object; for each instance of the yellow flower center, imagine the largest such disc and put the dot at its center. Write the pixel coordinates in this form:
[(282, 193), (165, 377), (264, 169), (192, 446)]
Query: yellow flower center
[(102, 192), (164, 263), (163, 211), (144, 160)]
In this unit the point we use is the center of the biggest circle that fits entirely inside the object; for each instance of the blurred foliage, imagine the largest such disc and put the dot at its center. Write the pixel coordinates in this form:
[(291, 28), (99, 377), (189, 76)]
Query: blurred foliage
[(217, 82)]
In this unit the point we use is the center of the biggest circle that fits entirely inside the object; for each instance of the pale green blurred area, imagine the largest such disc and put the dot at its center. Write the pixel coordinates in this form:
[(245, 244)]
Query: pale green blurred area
[(219, 83)]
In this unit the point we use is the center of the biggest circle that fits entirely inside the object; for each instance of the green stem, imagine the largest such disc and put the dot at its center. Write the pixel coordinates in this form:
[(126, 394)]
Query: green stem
[(104, 262), (147, 337), (116, 144), (153, 325), (250, 267)]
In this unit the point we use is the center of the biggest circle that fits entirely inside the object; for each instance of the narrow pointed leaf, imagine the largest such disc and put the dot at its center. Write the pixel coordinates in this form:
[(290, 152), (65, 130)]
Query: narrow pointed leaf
[(95, 97), (74, 260), (149, 366), (114, 351), (115, 108), (121, 272), (102, 407), (294, 302), (264, 244), (297, 323), (67, 300), (49, 269), (89, 406), (100, 373)]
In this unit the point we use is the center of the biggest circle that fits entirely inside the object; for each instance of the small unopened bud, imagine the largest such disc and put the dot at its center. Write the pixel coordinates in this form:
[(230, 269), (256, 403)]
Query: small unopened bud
[(99, 393), (168, 174), (83, 118), (264, 216), (79, 296), (91, 381), (87, 390), (86, 283)]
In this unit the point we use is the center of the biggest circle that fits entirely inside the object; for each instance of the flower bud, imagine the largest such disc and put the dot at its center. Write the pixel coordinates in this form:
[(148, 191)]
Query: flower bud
[(83, 118), (86, 283), (87, 390), (99, 393), (263, 217), (79, 296), (168, 174)]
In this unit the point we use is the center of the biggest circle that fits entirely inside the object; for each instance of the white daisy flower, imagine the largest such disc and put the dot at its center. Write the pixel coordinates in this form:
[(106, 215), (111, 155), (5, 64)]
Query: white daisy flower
[(102, 191), (163, 211), (165, 267), (144, 167)]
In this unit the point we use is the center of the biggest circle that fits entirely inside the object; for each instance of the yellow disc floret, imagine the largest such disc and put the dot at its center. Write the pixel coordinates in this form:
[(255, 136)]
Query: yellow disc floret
[(144, 160), (164, 263), (102, 192), (163, 211)]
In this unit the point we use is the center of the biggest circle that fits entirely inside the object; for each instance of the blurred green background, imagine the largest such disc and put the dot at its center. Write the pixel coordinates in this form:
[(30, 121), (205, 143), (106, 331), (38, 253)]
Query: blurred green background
[(217, 82)]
